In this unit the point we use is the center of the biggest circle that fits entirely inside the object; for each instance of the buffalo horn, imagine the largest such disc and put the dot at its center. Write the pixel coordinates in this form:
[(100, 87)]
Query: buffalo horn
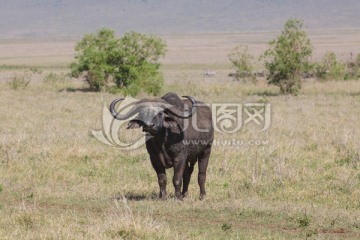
[(185, 114), (127, 115)]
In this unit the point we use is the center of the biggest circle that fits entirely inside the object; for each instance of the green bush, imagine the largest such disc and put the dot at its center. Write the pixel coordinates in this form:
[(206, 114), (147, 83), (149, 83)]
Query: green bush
[(51, 78), (35, 70), (304, 221), (57, 81), (288, 56), (226, 227), (353, 68), (243, 62), (330, 68), (130, 62), (20, 81)]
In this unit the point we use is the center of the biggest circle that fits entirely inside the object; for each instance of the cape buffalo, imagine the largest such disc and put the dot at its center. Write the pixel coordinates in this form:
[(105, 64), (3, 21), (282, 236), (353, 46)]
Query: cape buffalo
[(179, 133)]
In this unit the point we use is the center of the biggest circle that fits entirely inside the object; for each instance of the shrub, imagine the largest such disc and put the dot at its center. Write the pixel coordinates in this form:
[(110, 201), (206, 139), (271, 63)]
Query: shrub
[(51, 77), (35, 70), (330, 68), (243, 63), (353, 68), (304, 221), (20, 81), (225, 227), (130, 62), (288, 57), (58, 81)]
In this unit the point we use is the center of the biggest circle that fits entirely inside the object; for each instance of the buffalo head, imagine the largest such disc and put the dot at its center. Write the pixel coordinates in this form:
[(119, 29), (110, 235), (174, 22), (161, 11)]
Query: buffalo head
[(154, 114)]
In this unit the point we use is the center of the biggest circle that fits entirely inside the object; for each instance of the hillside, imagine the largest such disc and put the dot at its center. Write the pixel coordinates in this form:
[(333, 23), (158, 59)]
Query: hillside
[(62, 18)]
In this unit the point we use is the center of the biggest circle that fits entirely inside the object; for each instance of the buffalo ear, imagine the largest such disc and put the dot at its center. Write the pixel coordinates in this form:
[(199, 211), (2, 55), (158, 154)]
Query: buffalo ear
[(134, 124), (169, 122)]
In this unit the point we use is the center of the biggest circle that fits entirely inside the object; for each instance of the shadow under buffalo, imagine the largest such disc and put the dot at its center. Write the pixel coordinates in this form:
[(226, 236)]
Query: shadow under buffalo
[(72, 89), (139, 196), (265, 93)]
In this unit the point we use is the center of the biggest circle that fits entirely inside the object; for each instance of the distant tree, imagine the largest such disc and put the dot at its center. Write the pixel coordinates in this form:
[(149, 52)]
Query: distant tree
[(243, 63), (129, 63), (93, 58), (139, 66), (288, 56)]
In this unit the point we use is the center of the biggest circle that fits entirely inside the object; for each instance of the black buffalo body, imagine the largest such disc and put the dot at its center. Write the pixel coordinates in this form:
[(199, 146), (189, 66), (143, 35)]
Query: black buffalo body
[(179, 133)]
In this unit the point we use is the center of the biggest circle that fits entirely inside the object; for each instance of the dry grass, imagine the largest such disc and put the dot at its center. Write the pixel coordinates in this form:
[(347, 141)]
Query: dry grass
[(59, 182)]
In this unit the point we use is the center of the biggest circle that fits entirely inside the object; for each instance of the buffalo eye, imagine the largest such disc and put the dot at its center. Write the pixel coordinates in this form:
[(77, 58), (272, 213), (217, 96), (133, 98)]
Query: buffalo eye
[(169, 122)]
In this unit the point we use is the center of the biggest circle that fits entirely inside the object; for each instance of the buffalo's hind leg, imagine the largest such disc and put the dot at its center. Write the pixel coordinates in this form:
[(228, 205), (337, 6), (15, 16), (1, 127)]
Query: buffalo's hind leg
[(203, 163), (179, 168), (189, 168)]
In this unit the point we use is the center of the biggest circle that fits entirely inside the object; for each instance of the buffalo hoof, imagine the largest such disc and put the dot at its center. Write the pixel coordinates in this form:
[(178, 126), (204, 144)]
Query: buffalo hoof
[(179, 196), (202, 197), (162, 196), (186, 194)]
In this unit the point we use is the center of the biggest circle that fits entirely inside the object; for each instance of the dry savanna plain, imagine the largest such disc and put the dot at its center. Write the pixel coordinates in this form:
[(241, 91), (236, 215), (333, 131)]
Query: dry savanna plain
[(57, 181)]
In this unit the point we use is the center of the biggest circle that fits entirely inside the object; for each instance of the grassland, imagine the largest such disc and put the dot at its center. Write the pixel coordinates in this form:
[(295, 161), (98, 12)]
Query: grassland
[(58, 182)]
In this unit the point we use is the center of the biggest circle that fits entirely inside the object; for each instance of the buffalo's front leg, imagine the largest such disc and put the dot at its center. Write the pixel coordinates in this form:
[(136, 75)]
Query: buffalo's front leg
[(203, 163), (179, 168), (162, 184), (161, 175)]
